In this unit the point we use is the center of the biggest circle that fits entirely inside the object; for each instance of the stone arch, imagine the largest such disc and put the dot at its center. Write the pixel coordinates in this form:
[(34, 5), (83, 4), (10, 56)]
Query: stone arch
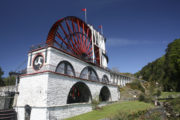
[(79, 93), (65, 67), (105, 79), (105, 94), (89, 73)]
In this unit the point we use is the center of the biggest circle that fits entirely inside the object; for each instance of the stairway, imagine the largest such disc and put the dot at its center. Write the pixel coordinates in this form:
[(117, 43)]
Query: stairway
[(9, 114)]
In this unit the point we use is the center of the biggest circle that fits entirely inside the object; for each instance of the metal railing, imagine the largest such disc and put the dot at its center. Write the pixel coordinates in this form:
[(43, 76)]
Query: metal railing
[(34, 47)]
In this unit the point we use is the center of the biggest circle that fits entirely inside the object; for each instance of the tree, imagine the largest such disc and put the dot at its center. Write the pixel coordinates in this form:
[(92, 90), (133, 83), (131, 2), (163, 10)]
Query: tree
[(166, 69), (115, 69), (10, 80), (172, 65), (1, 79)]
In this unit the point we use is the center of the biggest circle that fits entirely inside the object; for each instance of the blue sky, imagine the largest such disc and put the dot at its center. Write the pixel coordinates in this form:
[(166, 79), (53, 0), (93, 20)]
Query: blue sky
[(137, 31)]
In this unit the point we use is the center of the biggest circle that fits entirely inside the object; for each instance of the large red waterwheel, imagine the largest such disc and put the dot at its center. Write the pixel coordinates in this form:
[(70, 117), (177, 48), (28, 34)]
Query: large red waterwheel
[(72, 35)]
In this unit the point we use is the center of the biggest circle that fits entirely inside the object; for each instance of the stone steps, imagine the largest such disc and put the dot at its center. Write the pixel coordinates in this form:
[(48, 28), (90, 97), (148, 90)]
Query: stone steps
[(9, 114)]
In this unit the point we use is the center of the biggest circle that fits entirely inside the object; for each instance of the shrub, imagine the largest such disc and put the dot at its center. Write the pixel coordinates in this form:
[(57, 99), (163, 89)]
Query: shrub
[(144, 98), (158, 93), (95, 102), (120, 89), (136, 85), (125, 116), (141, 97)]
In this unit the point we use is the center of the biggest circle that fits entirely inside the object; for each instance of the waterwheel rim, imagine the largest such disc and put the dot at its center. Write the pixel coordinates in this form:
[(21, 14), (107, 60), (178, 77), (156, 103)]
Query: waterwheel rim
[(72, 35)]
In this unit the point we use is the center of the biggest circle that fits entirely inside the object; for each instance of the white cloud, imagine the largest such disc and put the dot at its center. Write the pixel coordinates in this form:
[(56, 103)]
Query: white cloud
[(126, 42)]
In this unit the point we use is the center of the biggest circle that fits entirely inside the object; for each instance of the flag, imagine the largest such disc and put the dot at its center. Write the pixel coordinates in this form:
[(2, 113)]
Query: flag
[(100, 26), (84, 9), (85, 14)]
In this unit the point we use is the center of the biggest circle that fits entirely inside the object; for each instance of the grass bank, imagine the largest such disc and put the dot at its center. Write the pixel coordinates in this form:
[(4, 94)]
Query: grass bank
[(114, 109), (170, 94)]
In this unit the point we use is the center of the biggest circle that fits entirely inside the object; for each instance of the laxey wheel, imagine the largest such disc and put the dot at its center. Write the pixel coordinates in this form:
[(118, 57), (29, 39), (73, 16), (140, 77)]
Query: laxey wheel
[(72, 35)]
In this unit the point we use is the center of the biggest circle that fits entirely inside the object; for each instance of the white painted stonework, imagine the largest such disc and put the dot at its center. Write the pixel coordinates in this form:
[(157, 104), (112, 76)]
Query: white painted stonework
[(46, 91)]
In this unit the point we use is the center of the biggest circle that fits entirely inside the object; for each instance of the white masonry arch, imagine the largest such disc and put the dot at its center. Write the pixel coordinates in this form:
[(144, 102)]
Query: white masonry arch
[(79, 93)]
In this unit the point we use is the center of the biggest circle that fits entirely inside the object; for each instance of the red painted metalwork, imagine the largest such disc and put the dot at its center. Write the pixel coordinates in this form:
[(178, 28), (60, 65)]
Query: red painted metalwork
[(72, 35), (74, 91)]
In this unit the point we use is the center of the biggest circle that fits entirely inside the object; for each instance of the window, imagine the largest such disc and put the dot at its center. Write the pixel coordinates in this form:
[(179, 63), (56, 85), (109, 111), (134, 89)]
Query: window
[(89, 73), (66, 68), (105, 79)]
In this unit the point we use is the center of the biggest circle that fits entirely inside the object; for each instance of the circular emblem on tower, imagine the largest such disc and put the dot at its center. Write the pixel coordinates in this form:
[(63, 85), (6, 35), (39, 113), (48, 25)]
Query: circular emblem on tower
[(38, 62)]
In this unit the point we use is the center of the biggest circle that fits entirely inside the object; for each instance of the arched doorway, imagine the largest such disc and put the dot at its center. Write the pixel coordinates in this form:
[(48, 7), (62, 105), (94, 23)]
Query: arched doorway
[(79, 93), (104, 94)]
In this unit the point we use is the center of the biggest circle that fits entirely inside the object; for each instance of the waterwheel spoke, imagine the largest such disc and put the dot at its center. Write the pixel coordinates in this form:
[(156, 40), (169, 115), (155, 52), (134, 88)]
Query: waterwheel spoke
[(89, 43), (72, 35), (70, 32), (74, 30), (78, 37), (83, 37), (68, 45), (80, 34), (86, 39), (63, 30)]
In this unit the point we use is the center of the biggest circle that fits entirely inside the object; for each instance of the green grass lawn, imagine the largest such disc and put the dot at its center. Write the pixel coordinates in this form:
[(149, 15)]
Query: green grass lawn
[(169, 94), (113, 109)]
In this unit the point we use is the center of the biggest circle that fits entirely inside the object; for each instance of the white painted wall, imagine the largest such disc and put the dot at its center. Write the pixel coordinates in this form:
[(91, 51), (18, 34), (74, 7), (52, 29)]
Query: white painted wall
[(59, 87), (61, 112), (54, 57), (47, 92), (33, 92)]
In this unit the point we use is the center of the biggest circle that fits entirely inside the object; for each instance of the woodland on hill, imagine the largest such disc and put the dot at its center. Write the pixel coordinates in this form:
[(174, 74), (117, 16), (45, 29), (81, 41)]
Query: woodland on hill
[(165, 70)]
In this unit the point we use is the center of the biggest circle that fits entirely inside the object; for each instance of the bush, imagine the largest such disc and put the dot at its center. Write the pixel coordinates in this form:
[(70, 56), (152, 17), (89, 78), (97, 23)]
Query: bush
[(120, 89), (158, 93), (141, 97), (10, 80), (147, 99), (136, 85), (126, 116), (95, 102)]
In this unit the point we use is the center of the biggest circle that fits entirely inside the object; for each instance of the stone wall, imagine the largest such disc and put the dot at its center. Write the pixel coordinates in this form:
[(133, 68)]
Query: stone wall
[(33, 90), (54, 57), (59, 87), (46, 91), (5, 97), (61, 112)]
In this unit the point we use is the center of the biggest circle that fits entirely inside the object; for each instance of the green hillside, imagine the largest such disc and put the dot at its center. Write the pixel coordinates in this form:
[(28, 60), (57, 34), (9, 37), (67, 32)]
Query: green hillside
[(166, 69)]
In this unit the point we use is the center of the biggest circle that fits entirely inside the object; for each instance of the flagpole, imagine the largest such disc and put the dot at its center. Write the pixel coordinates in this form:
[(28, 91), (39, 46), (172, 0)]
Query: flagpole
[(85, 16), (101, 30)]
